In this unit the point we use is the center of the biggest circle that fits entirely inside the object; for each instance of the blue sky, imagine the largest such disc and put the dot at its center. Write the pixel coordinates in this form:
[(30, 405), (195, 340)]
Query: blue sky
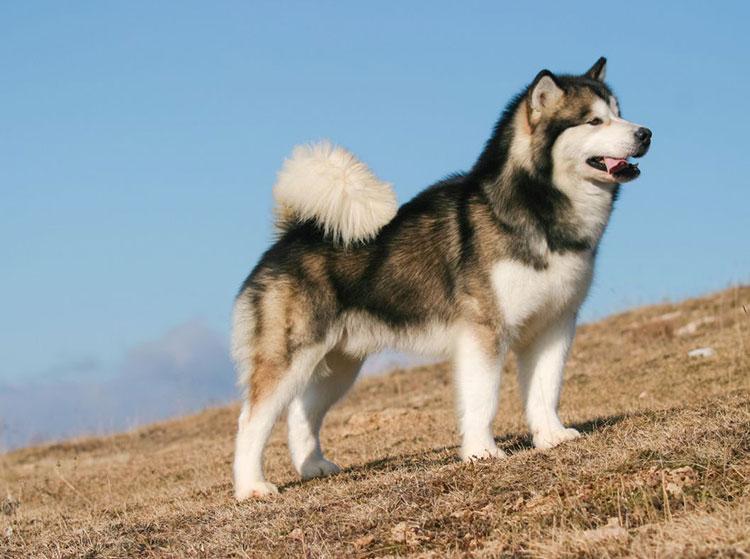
[(139, 142)]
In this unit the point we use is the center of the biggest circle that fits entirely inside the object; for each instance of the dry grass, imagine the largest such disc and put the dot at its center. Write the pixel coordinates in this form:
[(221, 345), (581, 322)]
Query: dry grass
[(663, 470)]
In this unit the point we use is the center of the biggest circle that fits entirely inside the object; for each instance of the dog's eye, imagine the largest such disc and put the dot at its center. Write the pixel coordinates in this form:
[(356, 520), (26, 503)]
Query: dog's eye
[(595, 121)]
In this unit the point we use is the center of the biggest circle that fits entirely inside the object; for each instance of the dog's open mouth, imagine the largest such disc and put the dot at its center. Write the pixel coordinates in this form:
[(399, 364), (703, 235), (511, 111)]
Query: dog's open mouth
[(618, 167)]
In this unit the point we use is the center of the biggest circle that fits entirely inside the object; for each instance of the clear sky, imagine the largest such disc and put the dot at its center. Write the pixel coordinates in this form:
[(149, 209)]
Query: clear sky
[(139, 142)]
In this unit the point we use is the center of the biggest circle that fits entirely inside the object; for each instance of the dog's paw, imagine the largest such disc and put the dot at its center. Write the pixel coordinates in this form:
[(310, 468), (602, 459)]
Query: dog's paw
[(256, 489), (318, 468), (551, 439), (482, 453)]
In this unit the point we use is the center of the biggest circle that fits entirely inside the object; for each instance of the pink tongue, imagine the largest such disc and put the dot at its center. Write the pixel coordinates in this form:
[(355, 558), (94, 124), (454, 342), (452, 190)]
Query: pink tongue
[(614, 164)]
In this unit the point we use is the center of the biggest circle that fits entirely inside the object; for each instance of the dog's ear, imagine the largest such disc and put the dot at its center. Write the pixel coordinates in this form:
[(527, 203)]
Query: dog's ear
[(544, 92), (598, 71)]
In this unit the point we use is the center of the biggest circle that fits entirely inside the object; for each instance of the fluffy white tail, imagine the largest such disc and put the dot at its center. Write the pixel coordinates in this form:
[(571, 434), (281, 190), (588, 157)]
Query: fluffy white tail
[(329, 185)]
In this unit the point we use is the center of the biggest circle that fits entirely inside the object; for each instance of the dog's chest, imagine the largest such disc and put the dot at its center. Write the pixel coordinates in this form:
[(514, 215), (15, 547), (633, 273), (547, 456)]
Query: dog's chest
[(529, 298)]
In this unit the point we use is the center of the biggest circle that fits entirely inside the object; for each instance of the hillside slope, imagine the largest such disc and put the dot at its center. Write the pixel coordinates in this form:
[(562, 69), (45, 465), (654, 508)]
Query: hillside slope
[(663, 468)]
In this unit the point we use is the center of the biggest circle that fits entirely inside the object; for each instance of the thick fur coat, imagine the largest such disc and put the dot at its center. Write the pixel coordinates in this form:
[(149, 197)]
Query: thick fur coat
[(496, 259)]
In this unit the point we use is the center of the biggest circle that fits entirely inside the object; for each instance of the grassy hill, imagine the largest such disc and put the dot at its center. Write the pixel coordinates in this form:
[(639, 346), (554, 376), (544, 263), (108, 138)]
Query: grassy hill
[(663, 469)]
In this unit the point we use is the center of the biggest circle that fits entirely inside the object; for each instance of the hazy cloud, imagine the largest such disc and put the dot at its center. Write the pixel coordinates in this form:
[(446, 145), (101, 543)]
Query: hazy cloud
[(387, 361), (185, 370)]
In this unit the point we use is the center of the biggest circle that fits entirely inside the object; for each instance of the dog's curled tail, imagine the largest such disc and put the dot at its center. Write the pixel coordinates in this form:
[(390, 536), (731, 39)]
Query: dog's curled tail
[(329, 185)]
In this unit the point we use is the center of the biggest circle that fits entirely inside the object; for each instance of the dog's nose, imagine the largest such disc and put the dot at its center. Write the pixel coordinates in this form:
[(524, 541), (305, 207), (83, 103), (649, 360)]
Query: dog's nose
[(643, 134)]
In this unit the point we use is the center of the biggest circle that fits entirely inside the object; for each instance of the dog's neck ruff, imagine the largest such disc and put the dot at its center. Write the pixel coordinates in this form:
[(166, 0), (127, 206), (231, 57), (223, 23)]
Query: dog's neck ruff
[(543, 219), (544, 210)]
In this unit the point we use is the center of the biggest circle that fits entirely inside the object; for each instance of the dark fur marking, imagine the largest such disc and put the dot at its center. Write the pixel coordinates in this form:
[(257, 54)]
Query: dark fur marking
[(465, 230)]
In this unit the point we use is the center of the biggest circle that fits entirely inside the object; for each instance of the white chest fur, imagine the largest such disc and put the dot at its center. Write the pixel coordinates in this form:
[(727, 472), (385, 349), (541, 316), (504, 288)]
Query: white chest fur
[(529, 298)]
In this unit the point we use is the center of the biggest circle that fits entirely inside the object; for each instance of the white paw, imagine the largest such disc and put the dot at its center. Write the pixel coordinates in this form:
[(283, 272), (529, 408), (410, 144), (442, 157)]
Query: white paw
[(550, 439), (318, 468), (256, 489), (482, 453)]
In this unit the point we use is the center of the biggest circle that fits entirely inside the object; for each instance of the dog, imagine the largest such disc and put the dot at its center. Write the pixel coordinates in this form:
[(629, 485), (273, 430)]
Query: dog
[(496, 259)]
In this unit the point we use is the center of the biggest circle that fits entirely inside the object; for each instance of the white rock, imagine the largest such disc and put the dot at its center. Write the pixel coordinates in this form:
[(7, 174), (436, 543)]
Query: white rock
[(668, 316), (702, 352), (692, 327)]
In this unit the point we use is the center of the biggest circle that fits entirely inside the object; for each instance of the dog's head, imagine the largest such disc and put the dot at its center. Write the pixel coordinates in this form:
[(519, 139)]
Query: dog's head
[(575, 130)]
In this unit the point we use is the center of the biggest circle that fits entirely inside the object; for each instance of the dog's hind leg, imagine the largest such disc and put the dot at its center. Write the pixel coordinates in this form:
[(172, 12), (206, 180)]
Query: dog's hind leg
[(333, 377), (271, 389), (478, 362)]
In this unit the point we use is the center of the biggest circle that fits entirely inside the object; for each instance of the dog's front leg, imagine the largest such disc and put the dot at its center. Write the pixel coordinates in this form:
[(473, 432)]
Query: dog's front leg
[(478, 362), (540, 373)]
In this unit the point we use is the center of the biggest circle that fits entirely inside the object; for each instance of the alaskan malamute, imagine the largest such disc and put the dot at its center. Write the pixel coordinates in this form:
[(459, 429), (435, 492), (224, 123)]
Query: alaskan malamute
[(499, 258)]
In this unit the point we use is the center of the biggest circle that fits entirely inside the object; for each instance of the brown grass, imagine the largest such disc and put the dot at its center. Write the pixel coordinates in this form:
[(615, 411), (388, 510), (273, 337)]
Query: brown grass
[(663, 470)]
